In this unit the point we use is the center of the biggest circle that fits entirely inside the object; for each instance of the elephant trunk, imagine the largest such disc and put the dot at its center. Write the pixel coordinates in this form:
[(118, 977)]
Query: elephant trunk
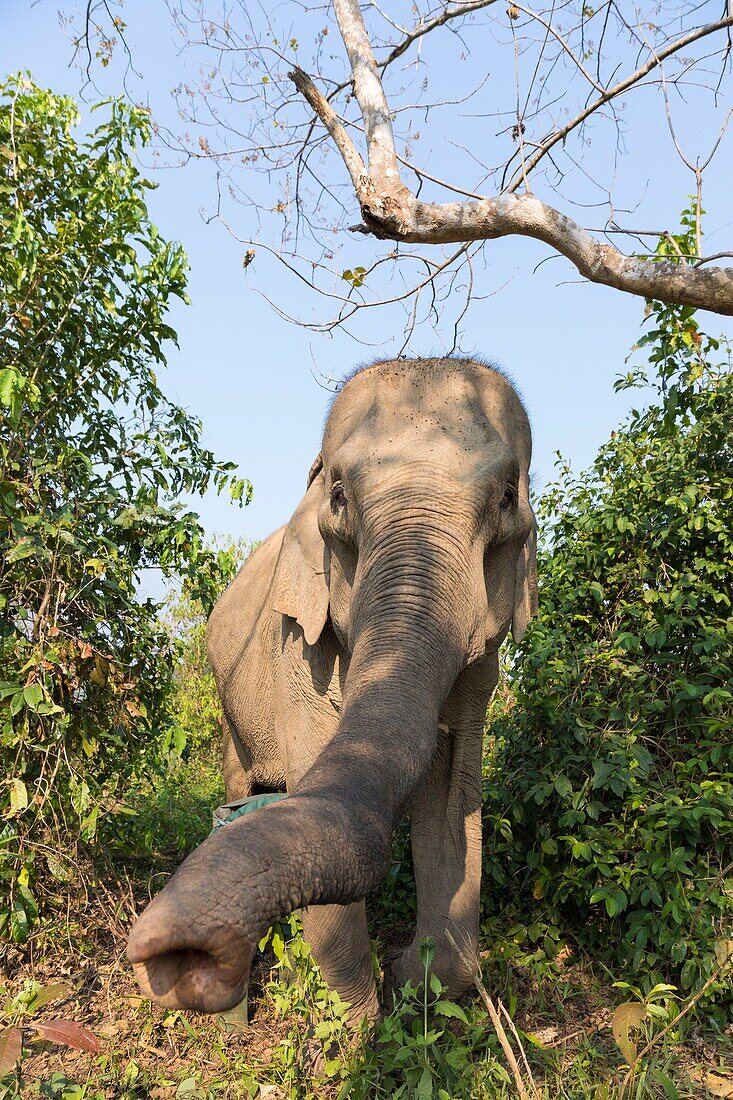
[(329, 841)]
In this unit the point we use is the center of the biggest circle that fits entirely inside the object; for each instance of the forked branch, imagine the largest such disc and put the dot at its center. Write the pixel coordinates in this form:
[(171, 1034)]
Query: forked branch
[(392, 211)]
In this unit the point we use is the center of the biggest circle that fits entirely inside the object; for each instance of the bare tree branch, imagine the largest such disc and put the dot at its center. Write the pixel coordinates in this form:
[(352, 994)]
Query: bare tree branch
[(613, 93), (390, 210), (552, 119), (421, 29), (370, 95), (329, 118)]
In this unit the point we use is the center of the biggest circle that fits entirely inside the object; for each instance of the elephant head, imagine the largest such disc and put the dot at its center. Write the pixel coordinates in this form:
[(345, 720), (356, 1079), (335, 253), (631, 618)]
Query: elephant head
[(415, 543)]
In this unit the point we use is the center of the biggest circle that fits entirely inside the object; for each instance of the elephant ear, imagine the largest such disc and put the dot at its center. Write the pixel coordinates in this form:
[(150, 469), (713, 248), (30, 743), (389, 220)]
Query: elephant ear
[(525, 585), (316, 467), (301, 588)]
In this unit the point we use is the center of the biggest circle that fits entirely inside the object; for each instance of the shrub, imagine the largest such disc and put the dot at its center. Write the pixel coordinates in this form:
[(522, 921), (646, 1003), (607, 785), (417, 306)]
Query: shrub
[(193, 705), (93, 459), (611, 775)]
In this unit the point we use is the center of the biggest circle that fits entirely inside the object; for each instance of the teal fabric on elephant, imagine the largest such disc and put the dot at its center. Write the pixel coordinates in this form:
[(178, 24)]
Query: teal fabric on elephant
[(231, 811)]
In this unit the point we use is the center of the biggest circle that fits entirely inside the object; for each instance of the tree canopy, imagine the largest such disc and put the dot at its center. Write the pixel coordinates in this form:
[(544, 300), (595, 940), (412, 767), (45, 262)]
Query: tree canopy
[(94, 462)]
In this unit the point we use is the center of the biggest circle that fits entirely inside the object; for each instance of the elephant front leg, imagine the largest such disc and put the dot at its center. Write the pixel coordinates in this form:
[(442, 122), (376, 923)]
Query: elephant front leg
[(446, 851), (236, 763), (446, 838), (339, 939)]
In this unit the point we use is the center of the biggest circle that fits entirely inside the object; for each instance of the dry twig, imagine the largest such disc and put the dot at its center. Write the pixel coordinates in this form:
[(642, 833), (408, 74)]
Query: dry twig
[(471, 963)]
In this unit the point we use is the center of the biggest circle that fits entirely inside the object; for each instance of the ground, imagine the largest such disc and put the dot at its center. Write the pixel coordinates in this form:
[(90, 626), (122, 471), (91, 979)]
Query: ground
[(563, 1019)]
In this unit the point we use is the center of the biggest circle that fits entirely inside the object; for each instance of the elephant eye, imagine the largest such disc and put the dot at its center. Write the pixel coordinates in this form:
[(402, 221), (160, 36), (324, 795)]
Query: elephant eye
[(338, 496), (509, 499)]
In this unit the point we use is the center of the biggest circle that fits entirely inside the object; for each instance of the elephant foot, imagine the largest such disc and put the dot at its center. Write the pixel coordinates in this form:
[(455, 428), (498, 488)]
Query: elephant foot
[(312, 1057)]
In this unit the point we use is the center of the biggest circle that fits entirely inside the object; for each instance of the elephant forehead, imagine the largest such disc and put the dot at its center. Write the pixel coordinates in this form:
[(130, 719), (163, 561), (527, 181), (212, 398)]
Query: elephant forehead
[(442, 406), (421, 457), (426, 439), (412, 445)]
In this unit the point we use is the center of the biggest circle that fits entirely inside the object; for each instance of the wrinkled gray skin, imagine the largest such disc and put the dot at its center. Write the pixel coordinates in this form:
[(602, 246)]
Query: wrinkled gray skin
[(355, 655)]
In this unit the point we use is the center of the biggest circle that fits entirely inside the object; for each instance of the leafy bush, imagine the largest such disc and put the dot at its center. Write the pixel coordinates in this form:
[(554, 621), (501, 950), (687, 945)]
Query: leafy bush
[(93, 459), (425, 1045), (609, 789), (193, 705), (168, 811)]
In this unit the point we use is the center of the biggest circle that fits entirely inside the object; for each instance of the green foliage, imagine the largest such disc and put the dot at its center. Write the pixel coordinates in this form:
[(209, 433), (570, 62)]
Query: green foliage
[(355, 277), (93, 458), (299, 993), (613, 770), (429, 1048), (168, 811), (193, 705), (425, 1047), (393, 905)]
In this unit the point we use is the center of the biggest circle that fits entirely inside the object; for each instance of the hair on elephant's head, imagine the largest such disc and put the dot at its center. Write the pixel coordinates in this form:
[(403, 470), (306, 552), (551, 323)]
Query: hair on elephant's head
[(415, 543), (420, 496)]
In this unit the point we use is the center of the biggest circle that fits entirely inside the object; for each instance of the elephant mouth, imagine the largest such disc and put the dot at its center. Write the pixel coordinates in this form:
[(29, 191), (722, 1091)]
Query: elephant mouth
[(180, 975)]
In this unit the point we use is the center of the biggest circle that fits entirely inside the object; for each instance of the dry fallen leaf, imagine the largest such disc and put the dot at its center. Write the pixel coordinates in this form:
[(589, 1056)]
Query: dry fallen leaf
[(628, 1015), (544, 1035), (719, 1086), (68, 1032), (108, 1030), (11, 1042)]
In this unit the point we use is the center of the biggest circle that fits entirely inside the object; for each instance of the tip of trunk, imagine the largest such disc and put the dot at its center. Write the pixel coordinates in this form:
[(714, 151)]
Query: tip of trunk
[(179, 968)]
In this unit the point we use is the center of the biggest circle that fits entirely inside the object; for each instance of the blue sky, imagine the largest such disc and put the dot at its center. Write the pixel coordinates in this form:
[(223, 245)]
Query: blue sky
[(249, 375)]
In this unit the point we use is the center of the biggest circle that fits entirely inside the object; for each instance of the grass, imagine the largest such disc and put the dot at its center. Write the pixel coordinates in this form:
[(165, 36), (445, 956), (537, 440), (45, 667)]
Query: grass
[(424, 1048)]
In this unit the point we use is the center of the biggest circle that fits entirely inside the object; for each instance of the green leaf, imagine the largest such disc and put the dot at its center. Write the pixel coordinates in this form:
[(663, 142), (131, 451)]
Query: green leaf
[(18, 796), (627, 1016), (10, 382), (18, 922), (424, 1090), (88, 826), (449, 1008), (57, 991), (33, 694), (426, 952), (29, 902), (24, 548), (278, 943), (563, 786)]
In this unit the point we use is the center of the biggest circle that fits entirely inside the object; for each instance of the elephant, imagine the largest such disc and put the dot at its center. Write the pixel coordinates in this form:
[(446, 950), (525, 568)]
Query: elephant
[(355, 654)]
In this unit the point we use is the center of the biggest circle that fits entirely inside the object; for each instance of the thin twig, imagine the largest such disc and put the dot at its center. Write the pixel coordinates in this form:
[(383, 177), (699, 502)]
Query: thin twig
[(715, 256), (559, 38), (424, 28), (614, 92), (673, 1023), (514, 1032), (471, 963)]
